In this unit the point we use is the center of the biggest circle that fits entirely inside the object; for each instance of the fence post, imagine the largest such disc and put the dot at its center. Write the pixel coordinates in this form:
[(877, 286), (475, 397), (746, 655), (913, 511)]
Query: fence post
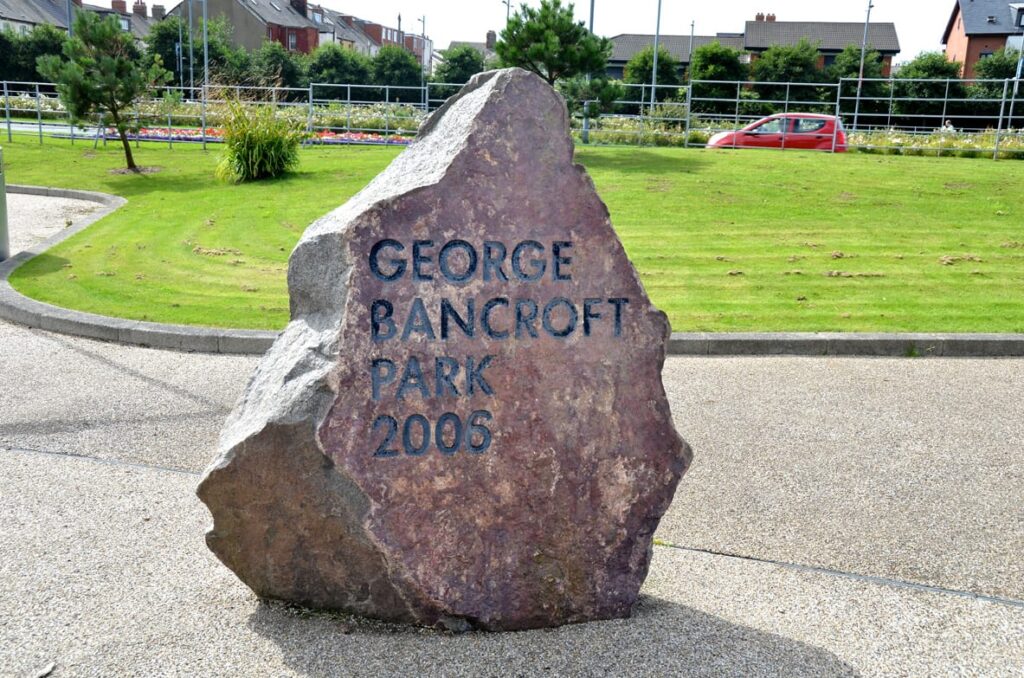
[(585, 136), (7, 110), (138, 126), (170, 141), (892, 91), (309, 114), (999, 127), (202, 116), (839, 115), (96, 138), (5, 243), (39, 114), (736, 122), (785, 121), (945, 104), (689, 104), (348, 109)]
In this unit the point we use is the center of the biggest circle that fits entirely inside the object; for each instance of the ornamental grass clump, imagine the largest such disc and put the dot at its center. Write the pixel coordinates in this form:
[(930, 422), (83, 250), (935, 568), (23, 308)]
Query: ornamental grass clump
[(259, 144)]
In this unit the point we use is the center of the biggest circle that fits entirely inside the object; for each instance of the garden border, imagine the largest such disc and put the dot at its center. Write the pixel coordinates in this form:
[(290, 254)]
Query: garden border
[(20, 309)]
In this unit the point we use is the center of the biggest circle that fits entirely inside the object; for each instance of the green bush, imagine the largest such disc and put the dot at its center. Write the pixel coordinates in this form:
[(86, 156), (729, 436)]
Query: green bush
[(259, 145)]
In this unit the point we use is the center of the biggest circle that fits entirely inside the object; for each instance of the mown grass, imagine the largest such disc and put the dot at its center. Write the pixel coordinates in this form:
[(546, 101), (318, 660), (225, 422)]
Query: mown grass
[(724, 241)]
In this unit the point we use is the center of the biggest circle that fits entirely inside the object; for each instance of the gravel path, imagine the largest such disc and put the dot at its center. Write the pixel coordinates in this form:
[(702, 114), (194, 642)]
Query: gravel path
[(33, 218)]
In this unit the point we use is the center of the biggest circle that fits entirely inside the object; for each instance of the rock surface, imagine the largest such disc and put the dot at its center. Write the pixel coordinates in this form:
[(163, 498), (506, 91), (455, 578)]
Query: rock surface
[(464, 424)]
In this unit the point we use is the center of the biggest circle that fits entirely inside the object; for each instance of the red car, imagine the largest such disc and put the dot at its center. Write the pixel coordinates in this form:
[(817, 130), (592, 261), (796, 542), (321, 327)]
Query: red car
[(808, 131)]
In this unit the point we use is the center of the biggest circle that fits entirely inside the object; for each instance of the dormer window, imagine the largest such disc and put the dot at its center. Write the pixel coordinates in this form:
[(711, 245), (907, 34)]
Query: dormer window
[(125, 25), (1020, 18), (318, 17)]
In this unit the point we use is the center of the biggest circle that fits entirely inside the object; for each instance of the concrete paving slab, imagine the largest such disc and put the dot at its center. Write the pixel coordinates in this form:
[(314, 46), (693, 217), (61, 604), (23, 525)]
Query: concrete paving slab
[(910, 469), (91, 398), (105, 573)]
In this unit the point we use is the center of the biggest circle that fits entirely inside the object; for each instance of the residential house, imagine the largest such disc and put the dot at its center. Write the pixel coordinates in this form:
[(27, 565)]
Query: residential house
[(763, 32), (254, 21), (979, 28), (831, 38), (22, 15), (486, 48), (343, 29), (627, 45)]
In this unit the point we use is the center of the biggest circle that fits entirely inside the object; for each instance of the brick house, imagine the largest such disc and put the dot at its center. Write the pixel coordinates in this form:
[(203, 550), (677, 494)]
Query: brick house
[(22, 16), (763, 32), (831, 37), (282, 21), (980, 28), (342, 29)]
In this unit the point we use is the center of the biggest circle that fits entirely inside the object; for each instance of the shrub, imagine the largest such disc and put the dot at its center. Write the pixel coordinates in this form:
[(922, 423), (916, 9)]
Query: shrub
[(258, 144)]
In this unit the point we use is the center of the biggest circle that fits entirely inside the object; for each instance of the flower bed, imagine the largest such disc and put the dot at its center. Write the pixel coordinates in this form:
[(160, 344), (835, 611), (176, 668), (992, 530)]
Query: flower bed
[(940, 143), (215, 135)]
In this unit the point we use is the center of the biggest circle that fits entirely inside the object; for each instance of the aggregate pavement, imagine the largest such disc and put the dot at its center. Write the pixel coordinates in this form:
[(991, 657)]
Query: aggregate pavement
[(32, 219), (826, 497)]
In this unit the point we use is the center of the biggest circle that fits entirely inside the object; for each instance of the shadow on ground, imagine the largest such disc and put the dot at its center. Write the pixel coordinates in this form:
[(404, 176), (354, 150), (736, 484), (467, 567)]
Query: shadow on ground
[(662, 638), (652, 161)]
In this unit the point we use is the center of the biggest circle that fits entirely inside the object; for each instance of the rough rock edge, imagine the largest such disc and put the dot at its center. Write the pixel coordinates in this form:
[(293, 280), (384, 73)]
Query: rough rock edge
[(276, 403)]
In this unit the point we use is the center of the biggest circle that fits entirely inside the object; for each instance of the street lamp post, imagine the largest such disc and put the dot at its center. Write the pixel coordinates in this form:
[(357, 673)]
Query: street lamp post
[(586, 101), (860, 76), (508, 9), (423, 60), (191, 56), (654, 70), (71, 18), (689, 65), (206, 67)]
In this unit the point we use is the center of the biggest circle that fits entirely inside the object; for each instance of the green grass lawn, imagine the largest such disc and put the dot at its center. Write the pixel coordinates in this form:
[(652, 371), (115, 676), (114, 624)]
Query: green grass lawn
[(724, 241)]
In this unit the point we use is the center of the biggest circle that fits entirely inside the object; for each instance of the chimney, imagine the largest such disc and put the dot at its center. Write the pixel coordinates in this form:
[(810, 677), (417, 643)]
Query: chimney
[(759, 17), (139, 8), (119, 6), (300, 7), (159, 12), (492, 39), (770, 18)]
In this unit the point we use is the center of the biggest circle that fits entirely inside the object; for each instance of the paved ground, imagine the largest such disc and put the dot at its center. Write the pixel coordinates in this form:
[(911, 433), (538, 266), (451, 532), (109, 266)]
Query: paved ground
[(864, 481), (32, 218)]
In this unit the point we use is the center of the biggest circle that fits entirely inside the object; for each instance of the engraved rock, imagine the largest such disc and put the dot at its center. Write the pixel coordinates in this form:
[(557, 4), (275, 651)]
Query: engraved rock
[(464, 423)]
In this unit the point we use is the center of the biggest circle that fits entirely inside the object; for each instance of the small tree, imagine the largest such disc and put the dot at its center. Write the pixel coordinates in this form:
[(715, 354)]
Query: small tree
[(274, 66), (334, 64), (601, 92), (394, 66), (921, 88), (551, 43), (638, 72), (715, 61), (102, 71), (786, 64), (874, 92), (459, 65)]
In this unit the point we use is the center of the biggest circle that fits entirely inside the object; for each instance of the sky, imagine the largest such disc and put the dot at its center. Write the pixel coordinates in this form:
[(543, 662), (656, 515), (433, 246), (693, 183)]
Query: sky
[(919, 23)]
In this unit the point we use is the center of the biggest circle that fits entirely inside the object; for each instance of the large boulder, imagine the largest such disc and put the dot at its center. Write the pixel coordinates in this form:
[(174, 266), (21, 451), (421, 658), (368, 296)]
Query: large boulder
[(464, 423)]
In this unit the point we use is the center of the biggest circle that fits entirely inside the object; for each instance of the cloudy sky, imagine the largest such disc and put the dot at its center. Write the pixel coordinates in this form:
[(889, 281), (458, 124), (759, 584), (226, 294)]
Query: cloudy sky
[(919, 23)]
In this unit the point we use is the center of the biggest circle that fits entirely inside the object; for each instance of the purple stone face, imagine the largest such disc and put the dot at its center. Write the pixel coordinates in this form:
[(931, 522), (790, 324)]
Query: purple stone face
[(464, 424)]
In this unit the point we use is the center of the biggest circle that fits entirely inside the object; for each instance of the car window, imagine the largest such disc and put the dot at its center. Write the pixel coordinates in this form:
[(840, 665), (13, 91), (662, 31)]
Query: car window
[(808, 125), (770, 127)]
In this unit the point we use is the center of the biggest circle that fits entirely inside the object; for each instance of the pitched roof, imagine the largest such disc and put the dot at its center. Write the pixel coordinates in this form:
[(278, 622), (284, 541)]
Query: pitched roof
[(976, 15), (626, 45), (478, 46), (54, 12), (832, 36), (341, 28), (278, 12)]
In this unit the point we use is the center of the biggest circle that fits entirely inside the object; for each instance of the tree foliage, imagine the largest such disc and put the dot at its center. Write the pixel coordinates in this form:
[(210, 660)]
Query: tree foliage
[(639, 69), (274, 66), (925, 101), (786, 64), (459, 65), (227, 62), (601, 92), (715, 61), (551, 43), (334, 64), (102, 71), (874, 93), (396, 67)]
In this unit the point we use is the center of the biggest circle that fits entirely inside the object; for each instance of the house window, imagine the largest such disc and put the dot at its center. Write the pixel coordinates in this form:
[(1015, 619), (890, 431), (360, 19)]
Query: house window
[(125, 26), (318, 17), (984, 55), (292, 41), (24, 29), (829, 60), (1020, 18)]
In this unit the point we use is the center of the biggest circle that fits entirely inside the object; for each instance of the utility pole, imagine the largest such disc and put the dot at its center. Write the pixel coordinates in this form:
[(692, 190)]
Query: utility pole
[(71, 18), (689, 65), (586, 102), (191, 56), (654, 71), (508, 9), (181, 57), (423, 61), (863, 55), (206, 67)]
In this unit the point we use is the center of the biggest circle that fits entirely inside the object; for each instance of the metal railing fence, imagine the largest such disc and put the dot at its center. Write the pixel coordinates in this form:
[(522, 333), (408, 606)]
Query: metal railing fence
[(973, 117)]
